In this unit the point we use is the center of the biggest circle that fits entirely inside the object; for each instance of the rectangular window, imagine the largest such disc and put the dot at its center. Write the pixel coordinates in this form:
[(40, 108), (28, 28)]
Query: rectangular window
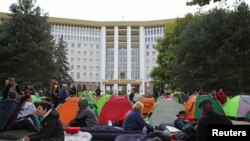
[(72, 74), (153, 53), (78, 67), (78, 75), (79, 45), (72, 45), (147, 53), (84, 67)]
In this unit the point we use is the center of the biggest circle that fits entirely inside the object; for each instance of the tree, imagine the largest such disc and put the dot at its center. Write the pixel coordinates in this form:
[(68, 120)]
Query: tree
[(211, 49), (201, 2), (165, 72), (26, 44), (62, 65)]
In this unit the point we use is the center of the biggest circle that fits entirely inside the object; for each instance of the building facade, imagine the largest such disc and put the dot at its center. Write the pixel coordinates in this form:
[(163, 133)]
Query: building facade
[(117, 56)]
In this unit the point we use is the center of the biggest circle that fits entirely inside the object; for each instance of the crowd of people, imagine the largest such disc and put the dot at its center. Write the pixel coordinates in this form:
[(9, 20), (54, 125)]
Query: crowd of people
[(44, 121)]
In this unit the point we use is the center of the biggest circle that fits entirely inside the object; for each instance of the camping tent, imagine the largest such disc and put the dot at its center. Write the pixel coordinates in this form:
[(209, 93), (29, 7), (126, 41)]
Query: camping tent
[(68, 109), (101, 101), (238, 106), (115, 109), (165, 111), (36, 99), (191, 106), (148, 105)]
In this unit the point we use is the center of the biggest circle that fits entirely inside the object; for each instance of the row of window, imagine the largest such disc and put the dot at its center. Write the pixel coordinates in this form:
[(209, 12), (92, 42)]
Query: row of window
[(148, 53), (79, 45), (152, 39), (77, 38), (85, 52), (153, 31), (75, 30), (85, 75), (84, 67), (84, 59), (111, 76)]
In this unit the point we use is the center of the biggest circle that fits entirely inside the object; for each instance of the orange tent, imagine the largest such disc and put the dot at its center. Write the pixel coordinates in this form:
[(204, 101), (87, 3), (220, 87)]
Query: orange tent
[(148, 105), (189, 106), (68, 110)]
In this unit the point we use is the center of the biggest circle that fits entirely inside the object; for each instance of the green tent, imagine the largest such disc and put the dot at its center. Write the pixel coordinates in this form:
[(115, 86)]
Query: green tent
[(87, 95), (248, 116), (238, 106), (100, 102), (216, 105), (92, 106), (36, 99)]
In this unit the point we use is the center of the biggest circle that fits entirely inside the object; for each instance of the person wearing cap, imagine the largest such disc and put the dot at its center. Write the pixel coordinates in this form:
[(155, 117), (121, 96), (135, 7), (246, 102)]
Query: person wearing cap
[(209, 117), (180, 122)]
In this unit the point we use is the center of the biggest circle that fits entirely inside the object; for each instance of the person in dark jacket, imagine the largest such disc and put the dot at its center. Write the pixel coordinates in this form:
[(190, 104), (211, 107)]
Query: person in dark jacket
[(180, 122), (52, 128), (8, 111), (72, 90), (209, 117), (134, 119), (85, 117), (5, 90)]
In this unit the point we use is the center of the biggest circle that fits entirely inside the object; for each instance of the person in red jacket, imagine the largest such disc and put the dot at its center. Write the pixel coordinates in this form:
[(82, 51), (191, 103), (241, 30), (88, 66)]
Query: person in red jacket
[(221, 96)]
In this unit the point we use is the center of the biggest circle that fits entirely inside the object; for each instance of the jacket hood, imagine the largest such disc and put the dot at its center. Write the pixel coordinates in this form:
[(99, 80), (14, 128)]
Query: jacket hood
[(83, 104)]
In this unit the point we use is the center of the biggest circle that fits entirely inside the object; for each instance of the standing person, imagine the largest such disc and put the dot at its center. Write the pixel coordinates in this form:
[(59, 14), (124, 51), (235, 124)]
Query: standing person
[(54, 90), (13, 86), (137, 97), (5, 90), (29, 89), (63, 94), (52, 129), (131, 95), (209, 117), (85, 117), (134, 119), (221, 96), (156, 92), (72, 90), (98, 92)]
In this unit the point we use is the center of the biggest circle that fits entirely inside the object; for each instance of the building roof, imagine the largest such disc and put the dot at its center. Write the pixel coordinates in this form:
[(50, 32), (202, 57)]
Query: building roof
[(78, 22)]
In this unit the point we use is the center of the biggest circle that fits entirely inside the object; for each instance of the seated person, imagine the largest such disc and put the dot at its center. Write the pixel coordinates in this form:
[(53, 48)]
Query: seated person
[(180, 122), (26, 118), (134, 119), (85, 117), (209, 117), (52, 128), (27, 109), (184, 125), (8, 111)]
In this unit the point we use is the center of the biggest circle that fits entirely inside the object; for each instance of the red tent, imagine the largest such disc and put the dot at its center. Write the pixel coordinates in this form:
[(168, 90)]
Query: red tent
[(115, 109)]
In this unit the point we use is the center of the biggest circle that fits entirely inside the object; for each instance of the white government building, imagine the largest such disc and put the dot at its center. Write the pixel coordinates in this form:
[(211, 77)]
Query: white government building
[(116, 55)]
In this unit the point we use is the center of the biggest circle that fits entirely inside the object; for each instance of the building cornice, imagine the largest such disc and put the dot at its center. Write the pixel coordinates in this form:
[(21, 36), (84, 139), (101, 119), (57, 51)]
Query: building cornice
[(77, 22)]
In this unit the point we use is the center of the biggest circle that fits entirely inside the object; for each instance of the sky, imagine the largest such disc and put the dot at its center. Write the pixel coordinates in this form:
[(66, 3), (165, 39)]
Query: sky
[(115, 10)]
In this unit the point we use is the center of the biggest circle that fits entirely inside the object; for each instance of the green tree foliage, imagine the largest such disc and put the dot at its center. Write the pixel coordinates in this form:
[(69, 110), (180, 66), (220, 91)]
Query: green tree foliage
[(26, 44), (165, 73), (62, 65), (201, 2), (212, 50)]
